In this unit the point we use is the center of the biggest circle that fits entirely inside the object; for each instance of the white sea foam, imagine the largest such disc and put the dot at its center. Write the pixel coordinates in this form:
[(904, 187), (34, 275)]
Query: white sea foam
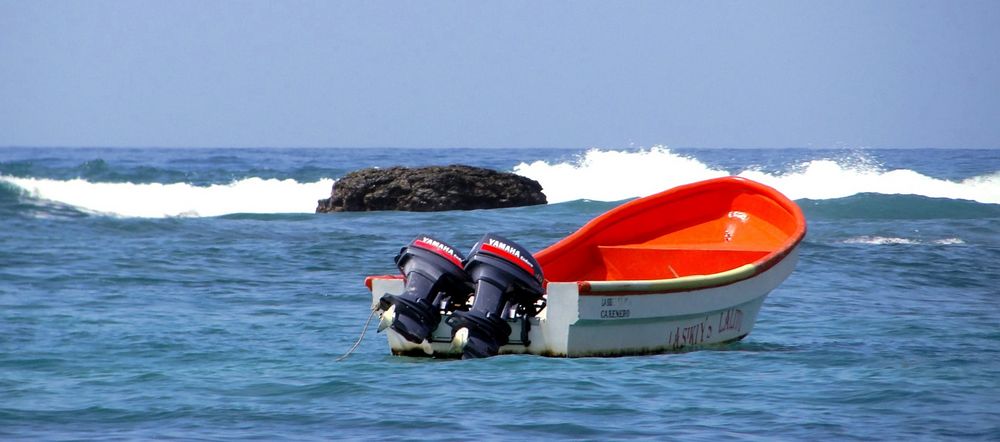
[(949, 241), (827, 179), (155, 200), (613, 175), (891, 240), (880, 240)]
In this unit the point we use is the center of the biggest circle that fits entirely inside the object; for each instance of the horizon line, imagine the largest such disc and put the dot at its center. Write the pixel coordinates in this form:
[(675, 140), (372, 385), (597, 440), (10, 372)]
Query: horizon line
[(836, 147)]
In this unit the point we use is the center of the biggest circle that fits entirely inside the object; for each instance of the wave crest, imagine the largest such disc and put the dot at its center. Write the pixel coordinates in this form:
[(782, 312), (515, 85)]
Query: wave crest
[(605, 175), (156, 200)]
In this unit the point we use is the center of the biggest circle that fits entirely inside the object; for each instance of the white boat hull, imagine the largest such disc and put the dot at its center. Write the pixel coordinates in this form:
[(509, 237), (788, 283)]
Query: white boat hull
[(575, 324)]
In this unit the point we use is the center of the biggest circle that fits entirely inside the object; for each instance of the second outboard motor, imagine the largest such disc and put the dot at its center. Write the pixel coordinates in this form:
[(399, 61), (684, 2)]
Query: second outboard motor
[(508, 282), (435, 280)]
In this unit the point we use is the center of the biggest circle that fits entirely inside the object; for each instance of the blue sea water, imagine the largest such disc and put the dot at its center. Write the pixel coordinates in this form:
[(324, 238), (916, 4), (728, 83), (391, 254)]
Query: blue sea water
[(192, 294)]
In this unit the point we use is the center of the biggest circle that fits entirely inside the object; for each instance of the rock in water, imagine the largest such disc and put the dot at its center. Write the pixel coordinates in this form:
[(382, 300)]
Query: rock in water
[(428, 189)]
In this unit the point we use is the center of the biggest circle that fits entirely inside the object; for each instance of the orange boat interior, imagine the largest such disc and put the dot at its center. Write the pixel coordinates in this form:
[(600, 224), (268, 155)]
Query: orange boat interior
[(697, 229)]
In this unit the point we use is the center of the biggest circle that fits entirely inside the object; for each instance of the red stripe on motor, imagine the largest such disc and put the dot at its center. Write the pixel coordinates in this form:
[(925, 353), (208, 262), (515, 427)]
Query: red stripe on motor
[(428, 246), (510, 257)]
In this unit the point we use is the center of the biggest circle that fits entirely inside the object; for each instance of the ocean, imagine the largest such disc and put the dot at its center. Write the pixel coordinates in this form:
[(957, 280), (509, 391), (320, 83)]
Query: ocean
[(192, 294)]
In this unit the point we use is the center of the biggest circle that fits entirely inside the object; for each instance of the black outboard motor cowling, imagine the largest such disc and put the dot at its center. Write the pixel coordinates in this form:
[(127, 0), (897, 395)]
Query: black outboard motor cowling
[(508, 281), (435, 279)]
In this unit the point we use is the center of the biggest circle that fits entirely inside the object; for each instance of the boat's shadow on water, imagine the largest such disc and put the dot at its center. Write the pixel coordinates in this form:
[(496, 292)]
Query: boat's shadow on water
[(739, 346)]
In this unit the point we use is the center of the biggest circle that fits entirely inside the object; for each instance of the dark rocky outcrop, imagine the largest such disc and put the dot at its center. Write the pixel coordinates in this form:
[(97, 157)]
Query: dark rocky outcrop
[(428, 189)]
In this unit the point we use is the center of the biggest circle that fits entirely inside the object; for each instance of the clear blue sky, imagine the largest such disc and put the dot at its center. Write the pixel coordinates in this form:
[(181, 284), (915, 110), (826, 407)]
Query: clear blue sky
[(500, 74)]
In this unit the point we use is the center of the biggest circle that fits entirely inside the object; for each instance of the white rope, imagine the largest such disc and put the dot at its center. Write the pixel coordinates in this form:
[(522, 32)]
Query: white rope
[(355, 346)]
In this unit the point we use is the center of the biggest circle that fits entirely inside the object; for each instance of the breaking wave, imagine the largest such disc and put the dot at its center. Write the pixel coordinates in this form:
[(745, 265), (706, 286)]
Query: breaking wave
[(615, 175), (155, 200), (830, 188)]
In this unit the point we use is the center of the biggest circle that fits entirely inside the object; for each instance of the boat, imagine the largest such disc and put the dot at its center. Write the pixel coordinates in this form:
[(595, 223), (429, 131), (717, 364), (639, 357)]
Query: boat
[(682, 269)]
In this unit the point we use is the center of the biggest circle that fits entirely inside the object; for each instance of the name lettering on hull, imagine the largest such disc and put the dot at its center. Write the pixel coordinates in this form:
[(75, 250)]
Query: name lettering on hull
[(701, 332), (616, 307), (731, 319)]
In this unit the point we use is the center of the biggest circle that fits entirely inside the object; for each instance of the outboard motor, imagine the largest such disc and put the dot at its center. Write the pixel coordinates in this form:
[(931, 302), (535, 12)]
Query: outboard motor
[(435, 280), (508, 283)]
